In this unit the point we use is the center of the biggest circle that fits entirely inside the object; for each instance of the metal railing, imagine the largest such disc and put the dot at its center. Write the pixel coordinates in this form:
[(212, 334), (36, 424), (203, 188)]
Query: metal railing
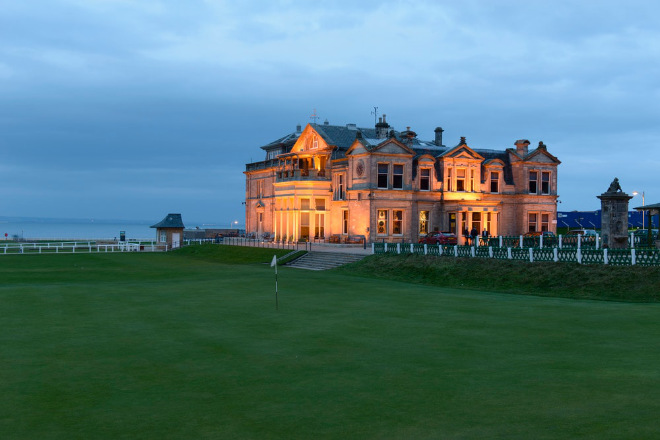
[(619, 257)]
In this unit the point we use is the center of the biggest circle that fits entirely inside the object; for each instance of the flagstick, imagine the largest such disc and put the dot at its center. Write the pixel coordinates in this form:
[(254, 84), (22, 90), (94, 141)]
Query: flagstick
[(277, 307)]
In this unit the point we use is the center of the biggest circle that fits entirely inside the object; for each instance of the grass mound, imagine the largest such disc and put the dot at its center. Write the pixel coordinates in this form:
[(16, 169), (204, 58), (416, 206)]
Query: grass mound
[(229, 254), (615, 283)]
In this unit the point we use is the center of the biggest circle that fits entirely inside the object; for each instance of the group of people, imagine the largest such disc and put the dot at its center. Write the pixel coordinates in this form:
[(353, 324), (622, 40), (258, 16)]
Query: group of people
[(472, 236)]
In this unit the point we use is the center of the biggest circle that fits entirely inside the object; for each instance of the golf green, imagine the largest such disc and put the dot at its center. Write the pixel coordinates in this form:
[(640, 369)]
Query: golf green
[(188, 345)]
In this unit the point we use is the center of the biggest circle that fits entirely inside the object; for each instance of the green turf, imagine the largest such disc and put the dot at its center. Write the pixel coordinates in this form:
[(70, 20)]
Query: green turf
[(189, 345)]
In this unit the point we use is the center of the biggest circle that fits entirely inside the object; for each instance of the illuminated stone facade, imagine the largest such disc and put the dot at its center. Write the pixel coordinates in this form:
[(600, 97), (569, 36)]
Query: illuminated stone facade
[(336, 182)]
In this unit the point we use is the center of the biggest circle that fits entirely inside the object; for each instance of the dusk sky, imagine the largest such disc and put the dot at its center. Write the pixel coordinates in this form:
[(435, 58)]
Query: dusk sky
[(133, 109)]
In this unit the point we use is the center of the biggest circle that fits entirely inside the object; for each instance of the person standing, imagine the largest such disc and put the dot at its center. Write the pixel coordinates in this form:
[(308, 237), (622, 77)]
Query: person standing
[(474, 234)]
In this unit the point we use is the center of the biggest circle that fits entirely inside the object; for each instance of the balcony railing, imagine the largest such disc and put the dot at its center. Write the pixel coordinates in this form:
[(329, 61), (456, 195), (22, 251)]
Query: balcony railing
[(290, 175)]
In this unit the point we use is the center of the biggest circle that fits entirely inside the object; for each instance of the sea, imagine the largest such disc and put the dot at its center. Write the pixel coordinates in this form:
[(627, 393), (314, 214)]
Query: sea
[(76, 229)]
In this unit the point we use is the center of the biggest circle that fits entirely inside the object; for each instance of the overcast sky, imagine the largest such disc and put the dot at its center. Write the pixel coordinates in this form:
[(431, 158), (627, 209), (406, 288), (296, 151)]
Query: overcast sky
[(132, 109)]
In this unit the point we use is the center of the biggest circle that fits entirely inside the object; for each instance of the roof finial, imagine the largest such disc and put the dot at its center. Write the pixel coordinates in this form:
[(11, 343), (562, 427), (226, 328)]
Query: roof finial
[(314, 116)]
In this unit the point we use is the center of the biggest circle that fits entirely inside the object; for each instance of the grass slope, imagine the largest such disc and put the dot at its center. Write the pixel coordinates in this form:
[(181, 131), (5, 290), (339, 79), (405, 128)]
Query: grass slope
[(189, 345), (616, 283)]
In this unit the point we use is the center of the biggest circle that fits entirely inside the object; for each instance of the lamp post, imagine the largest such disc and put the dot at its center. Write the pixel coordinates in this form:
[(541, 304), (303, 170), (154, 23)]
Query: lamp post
[(635, 193)]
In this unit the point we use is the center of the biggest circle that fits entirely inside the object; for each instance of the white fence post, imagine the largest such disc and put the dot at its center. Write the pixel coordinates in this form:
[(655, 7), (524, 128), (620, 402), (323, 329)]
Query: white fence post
[(556, 254), (633, 256), (560, 241), (398, 248), (472, 253), (605, 257), (426, 250), (439, 250), (490, 251), (501, 241), (541, 240), (579, 255), (412, 250), (521, 242), (531, 255), (508, 253), (456, 251), (373, 248), (385, 247)]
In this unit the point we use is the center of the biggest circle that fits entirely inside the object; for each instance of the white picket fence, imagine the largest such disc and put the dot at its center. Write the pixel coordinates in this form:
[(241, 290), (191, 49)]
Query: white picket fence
[(72, 247)]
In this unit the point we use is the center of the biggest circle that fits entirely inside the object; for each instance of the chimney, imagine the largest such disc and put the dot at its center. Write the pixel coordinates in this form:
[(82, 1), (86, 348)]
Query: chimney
[(352, 127), (438, 136), (381, 128), (522, 147), (326, 122), (298, 128)]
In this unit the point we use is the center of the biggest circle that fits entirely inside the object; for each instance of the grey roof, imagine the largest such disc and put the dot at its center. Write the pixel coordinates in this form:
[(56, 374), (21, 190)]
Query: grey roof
[(286, 141), (170, 221), (343, 137)]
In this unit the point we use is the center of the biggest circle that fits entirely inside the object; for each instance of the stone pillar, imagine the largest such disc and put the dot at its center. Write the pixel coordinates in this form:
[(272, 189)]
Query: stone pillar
[(614, 216)]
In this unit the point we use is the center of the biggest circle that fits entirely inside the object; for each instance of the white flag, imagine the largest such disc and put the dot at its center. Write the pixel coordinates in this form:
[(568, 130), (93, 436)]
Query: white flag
[(274, 262)]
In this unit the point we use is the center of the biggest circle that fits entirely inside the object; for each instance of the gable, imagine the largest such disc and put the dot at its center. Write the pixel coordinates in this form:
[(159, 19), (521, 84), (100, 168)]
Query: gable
[(463, 152), (392, 146), (541, 156), (357, 148), (309, 141)]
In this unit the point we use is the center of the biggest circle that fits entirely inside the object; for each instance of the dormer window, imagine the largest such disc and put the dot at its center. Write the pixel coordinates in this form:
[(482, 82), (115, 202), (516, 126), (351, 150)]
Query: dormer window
[(494, 182), (460, 179), (425, 179)]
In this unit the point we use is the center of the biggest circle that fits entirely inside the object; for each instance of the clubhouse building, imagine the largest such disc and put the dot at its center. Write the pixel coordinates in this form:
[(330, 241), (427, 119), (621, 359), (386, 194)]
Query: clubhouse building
[(330, 182)]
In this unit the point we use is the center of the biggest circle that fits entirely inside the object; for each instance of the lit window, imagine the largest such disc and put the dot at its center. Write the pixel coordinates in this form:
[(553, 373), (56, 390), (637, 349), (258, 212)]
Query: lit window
[(344, 225), (304, 204), (320, 204), (494, 182), (383, 172), (423, 222), (382, 222), (533, 182), (545, 182), (425, 179), (397, 177), (452, 222), (397, 222)]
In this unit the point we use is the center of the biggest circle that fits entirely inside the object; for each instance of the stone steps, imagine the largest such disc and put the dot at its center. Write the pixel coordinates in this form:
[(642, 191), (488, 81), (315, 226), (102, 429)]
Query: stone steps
[(324, 260)]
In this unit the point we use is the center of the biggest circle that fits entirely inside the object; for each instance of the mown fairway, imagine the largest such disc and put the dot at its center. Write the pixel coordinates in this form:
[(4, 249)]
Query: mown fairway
[(186, 346)]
